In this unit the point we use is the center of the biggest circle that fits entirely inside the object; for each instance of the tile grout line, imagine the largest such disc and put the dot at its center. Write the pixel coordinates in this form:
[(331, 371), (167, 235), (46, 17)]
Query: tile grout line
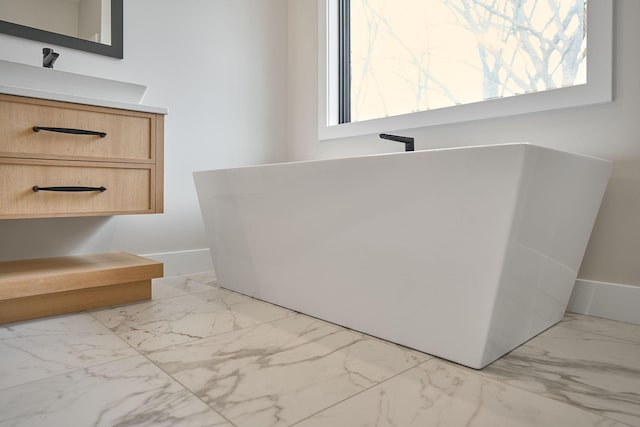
[(188, 390), (362, 391), (71, 371), (118, 359), (76, 369), (119, 337), (145, 355), (473, 372)]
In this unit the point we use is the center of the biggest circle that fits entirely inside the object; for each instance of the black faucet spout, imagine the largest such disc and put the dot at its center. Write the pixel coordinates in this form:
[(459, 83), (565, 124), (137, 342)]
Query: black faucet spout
[(48, 57), (407, 141)]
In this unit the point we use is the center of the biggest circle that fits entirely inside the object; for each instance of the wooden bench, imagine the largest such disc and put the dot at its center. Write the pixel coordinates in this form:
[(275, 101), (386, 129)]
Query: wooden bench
[(44, 287)]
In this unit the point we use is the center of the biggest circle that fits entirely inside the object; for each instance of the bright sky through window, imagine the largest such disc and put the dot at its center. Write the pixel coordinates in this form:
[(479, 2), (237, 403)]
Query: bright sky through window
[(418, 55)]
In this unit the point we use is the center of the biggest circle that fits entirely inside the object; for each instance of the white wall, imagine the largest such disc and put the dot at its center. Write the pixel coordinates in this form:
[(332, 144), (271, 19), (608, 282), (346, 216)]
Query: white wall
[(219, 66), (610, 131)]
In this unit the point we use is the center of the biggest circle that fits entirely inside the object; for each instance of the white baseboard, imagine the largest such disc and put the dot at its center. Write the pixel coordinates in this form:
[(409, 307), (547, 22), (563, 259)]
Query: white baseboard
[(608, 300), (184, 262)]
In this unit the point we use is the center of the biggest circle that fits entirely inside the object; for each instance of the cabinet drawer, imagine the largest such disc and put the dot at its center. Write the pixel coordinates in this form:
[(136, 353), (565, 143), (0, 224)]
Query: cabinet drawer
[(129, 188), (129, 134)]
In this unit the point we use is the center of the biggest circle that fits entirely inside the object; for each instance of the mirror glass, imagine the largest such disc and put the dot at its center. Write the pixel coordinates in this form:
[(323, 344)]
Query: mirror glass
[(89, 25)]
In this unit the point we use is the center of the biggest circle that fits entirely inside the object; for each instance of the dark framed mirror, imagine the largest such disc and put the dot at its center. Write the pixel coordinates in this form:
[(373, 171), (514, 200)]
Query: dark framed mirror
[(88, 25)]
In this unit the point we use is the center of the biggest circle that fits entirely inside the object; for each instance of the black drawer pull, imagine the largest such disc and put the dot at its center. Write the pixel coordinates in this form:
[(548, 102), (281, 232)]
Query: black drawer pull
[(69, 189), (71, 131)]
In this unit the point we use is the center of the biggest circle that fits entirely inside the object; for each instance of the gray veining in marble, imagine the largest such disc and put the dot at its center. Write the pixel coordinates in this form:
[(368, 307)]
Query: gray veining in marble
[(160, 323), (280, 372), (198, 355), (440, 394), (611, 328), (46, 347), (176, 286), (588, 370), (206, 277), (128, 392)]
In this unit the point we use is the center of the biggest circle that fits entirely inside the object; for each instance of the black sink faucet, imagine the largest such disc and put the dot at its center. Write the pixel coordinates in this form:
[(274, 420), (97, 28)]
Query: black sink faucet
[(407, 141), (48, 57)]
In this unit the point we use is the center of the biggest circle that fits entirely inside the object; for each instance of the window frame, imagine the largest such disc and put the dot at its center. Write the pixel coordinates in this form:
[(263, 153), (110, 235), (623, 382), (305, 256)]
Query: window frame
[(344, 61), (331, 125)]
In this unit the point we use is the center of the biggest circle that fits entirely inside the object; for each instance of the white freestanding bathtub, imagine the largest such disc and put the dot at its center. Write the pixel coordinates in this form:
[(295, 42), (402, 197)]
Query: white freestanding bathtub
[(461, 253)]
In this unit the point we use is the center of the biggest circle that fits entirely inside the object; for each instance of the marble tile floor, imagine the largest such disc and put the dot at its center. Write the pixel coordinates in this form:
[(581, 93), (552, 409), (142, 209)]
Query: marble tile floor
[(198, 355)]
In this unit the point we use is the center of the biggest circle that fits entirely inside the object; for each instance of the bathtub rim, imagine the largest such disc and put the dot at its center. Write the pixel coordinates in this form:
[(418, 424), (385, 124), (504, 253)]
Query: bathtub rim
[(401, 153)]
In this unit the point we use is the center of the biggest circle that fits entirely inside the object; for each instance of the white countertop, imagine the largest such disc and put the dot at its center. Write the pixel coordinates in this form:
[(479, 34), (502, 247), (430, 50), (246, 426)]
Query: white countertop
[(55, 96)]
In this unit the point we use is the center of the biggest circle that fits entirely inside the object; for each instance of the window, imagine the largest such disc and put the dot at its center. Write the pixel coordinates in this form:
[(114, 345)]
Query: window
[(417, 55), (399, 64)]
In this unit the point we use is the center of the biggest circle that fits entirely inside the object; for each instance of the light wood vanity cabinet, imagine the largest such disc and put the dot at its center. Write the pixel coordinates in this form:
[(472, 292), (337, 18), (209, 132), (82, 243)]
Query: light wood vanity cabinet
[(118, 170), (50, 166)]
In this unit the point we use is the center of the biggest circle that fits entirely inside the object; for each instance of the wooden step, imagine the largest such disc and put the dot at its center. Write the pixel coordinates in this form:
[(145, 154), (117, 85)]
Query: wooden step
[(49, 286)]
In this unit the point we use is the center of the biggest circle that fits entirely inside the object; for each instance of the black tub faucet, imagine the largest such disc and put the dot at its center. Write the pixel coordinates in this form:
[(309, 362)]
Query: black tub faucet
[(407, 141), (48, 57)]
